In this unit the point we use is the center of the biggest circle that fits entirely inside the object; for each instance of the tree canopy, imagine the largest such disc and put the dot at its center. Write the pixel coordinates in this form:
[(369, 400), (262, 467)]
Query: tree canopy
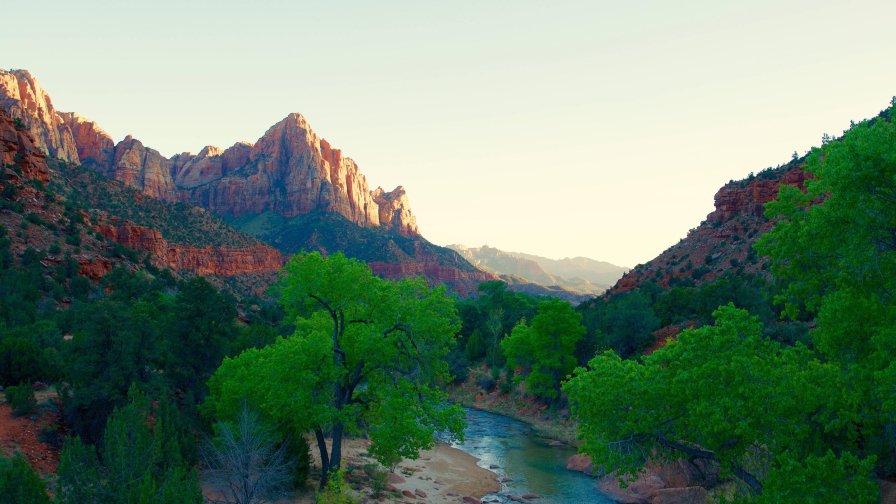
[(544, 349), (366, 353)]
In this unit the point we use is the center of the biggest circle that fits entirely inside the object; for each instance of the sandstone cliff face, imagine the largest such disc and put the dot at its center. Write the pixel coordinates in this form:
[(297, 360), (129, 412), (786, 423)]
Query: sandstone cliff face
[(17, 148), (724, 241), (219, 261), (23, 97), (289, 170), (93, 144)]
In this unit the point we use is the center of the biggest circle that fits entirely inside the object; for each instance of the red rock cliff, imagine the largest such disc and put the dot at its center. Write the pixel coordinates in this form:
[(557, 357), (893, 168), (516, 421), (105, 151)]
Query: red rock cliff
[(289, 170), (724, 241), (17, 147), (220, 261)]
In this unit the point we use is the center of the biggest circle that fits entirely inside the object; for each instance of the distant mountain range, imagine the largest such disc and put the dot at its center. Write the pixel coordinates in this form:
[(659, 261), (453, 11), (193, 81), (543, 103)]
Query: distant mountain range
[(578, 275)]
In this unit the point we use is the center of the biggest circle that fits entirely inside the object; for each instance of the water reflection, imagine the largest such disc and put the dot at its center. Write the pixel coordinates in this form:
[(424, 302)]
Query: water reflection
[(525, 462)]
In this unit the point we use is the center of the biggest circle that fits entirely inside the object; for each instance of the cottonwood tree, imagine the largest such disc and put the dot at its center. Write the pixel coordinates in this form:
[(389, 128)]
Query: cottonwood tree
[(545, 348), (764, 411), (366, 354)]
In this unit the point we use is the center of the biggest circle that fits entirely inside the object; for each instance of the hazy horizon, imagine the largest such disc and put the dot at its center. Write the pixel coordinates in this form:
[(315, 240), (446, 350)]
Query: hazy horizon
[(586, 129)]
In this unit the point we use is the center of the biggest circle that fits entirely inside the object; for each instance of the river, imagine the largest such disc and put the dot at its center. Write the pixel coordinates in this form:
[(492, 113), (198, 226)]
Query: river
[(528, 463)]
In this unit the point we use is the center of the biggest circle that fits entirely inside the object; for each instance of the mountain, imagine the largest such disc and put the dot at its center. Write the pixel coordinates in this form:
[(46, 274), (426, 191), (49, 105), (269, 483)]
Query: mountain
[(724, 241), (290, 176), (73, 215), (579, 275)]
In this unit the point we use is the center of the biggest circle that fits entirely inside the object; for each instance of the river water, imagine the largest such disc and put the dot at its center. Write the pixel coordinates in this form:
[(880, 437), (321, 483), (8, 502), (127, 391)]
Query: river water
[(531, 464)]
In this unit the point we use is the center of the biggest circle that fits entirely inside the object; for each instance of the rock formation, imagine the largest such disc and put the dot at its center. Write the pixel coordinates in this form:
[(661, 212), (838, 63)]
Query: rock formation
[(289, 170), (219, 261), (17, 148), (724, 241), (23, 97)]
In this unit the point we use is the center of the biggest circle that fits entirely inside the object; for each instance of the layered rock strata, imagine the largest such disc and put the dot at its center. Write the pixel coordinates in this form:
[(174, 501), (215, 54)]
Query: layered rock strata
[(289, 170)]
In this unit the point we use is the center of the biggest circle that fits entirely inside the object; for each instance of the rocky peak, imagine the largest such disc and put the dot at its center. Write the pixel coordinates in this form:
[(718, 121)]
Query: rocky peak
[(395, 210), (24, 98), (290, 170), (93, 144)]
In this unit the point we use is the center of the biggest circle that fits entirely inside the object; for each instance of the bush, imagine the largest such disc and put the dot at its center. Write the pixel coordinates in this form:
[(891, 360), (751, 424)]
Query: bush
[(21, 360), (336, 491), (19, 484), (22, 399)]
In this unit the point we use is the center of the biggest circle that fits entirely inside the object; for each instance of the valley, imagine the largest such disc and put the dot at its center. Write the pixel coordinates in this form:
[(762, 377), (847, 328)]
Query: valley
[(170, 325)]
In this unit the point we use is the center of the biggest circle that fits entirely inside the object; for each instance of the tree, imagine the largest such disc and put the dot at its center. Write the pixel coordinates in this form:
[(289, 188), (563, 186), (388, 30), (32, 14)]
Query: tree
[(19, 484), (139, 463), (724, 393), (366, 354), (546, 347), (200, 331), (244, 459), (834, 249)]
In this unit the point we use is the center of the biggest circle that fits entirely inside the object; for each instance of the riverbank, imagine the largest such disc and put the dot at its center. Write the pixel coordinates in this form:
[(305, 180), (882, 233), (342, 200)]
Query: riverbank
[(441, 475), (554, 425)]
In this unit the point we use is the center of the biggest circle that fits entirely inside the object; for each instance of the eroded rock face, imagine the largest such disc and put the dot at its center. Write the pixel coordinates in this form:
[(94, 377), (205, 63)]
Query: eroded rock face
[(93, 144), (23, 97), (143, 168), (724, 241), (220, 261), (289, 170), (17, 147), (395, 210)]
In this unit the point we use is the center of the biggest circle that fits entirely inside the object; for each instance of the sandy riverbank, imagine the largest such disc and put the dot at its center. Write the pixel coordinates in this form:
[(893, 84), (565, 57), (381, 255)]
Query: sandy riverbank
[(441, 475)]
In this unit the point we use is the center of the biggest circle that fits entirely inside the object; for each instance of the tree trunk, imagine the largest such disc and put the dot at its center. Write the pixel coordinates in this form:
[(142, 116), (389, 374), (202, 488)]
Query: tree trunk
[(336, 449), (324, 459)]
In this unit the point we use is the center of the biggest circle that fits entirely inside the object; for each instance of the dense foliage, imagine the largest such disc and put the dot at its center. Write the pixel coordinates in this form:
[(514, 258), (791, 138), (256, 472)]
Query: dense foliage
[(366, 354), (137, 463), (19, 484), (544, 349)]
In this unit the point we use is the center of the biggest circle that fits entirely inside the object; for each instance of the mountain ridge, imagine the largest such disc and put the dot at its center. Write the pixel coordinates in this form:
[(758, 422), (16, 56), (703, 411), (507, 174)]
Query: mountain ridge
[(580, 275), (289, 169)]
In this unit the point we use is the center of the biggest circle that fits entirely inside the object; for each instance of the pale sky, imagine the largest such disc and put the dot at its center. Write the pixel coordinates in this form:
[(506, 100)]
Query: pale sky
[(599, 129)]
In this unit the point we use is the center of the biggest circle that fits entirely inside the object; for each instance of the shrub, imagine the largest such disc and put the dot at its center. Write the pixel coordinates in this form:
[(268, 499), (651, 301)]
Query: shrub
[(19, 484), (22, 399), (336, 491)]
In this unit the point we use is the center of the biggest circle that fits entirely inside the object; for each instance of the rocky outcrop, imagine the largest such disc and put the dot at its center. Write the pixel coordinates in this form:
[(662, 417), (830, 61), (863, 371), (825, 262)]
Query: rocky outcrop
[(94, 145), (17, 148), (679, 482), (749, 197), (724, 241), (23, 97), (395, 210), (143, 168), (219, 261), (289, 170)]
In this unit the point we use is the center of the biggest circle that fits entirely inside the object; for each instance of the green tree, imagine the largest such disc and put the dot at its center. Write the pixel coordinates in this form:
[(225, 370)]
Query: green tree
[(724, 393), (546, 347), (200, 332), (139, 464), (366, 353), (19, 484), (834, 249)]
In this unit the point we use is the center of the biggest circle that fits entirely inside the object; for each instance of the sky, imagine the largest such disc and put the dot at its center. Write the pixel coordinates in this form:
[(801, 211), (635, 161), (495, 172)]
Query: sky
[(598, 129)]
